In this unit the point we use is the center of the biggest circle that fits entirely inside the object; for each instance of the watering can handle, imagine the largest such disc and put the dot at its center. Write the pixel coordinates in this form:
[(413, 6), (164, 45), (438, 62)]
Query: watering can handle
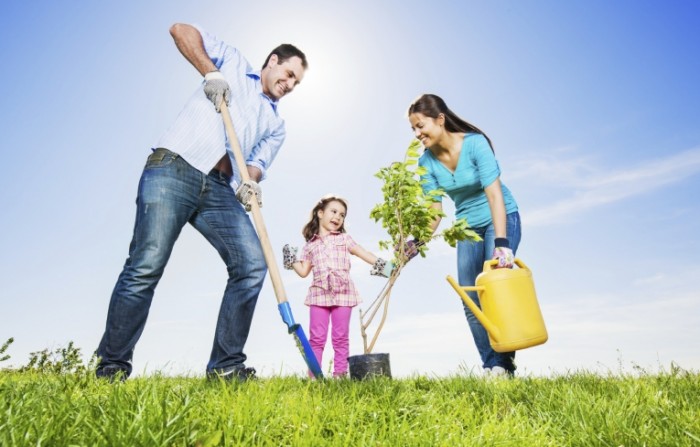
[(492, 263), (488, 325)]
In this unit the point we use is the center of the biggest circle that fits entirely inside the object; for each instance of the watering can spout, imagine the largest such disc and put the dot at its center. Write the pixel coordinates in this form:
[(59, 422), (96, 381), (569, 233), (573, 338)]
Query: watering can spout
[(483, 319)]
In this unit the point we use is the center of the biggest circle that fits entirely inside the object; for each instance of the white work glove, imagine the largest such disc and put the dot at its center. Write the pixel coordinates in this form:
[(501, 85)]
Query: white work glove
[(216, 88), (382, 268), (503, 253), (289, 256), (247, 191)]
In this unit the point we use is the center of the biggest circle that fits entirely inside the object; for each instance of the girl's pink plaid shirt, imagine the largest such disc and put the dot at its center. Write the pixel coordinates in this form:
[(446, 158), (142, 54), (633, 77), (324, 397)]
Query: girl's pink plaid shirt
[(330, 260)]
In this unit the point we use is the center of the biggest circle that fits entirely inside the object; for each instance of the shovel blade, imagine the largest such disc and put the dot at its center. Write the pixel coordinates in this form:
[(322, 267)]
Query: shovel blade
[(301, 341)]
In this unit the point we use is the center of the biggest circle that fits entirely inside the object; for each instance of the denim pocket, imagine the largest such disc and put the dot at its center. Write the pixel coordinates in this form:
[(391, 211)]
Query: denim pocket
[(160, 158)]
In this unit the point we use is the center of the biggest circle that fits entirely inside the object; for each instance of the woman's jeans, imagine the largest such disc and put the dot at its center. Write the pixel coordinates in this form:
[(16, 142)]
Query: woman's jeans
[(171, 194), (470, 262)]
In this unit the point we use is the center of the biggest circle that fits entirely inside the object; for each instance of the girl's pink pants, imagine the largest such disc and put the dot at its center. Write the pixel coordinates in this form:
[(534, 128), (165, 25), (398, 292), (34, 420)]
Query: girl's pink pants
[(339, 317)]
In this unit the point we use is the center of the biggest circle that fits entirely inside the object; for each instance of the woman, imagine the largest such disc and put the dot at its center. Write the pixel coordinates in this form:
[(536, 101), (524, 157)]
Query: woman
[(460, 161)]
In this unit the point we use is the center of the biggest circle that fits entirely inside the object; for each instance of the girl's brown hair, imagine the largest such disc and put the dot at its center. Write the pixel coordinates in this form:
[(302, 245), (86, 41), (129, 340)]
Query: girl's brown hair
[(311, 228)]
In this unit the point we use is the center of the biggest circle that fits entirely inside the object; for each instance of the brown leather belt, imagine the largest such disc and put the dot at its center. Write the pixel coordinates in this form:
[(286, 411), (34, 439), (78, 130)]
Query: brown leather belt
[(224, 165)]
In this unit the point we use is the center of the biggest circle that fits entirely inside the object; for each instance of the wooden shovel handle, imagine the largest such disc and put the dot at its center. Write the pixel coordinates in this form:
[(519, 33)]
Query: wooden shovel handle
[(255, 209)]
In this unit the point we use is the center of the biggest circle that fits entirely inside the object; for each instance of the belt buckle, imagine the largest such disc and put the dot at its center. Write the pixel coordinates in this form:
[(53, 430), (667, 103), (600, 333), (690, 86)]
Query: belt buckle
[(158, 154)]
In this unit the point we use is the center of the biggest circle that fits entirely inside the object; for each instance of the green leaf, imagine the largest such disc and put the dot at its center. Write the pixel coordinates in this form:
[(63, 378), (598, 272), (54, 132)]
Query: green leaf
[(407, 210)]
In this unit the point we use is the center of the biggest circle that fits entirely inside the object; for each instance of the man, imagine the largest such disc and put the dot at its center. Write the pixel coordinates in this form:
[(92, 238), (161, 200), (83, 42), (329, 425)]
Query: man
[(191, 178)]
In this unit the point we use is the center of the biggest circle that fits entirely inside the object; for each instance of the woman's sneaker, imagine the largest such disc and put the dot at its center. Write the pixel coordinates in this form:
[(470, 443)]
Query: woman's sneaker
[(498, 372)]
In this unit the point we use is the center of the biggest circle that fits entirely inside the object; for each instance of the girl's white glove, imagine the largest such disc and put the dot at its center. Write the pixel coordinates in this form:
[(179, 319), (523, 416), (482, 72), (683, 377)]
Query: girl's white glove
[(289, 256), (382, 268)]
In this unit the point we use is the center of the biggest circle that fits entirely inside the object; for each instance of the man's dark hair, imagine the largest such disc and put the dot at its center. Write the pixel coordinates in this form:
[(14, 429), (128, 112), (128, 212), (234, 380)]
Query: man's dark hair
[(285, 52)]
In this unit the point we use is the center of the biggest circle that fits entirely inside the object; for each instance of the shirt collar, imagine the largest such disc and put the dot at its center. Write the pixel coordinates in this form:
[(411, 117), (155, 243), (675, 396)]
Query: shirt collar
[(318, 236), (258, 86)]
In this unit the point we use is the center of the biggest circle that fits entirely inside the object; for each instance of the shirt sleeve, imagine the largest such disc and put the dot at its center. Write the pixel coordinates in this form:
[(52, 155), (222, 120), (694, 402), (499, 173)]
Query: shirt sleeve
[(264, 153), (485, 160), (349, 242), (428, 180), (215, 48), (306, 253), (221, 53)]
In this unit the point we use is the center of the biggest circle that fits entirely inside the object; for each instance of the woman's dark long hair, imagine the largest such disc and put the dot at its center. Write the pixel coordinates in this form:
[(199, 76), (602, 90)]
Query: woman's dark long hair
[(311, 228), (432, 105)]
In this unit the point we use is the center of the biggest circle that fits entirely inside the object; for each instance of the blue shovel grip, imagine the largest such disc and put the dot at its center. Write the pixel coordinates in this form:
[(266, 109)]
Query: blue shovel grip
[(287, 317)]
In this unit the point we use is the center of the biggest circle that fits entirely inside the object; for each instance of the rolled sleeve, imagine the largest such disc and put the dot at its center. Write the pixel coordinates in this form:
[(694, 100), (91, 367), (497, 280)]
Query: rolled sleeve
[(215, 48), (264, 153), (221, 53)]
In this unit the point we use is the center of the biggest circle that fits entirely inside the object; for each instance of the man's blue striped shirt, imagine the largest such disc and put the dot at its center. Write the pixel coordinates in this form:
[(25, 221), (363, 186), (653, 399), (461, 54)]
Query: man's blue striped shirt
[(198, 133)]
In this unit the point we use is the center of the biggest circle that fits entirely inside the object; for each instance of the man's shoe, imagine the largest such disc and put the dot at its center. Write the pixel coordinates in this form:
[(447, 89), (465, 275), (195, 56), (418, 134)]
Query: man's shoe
[(112, 373), (238, 374)]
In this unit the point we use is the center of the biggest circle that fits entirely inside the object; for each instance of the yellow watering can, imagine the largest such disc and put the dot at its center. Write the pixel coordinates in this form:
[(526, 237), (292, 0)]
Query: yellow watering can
[(509, 309)]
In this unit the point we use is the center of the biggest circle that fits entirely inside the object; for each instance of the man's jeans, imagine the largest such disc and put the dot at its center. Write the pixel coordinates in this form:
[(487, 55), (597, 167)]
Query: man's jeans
[(171, 194), (470, 262)]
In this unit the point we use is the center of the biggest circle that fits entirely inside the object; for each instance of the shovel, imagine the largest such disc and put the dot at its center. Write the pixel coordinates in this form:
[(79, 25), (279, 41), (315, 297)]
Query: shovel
[(282, 303)]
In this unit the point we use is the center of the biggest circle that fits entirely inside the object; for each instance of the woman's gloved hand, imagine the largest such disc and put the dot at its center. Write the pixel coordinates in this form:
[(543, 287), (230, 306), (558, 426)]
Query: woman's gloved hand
[(410, 248), (503, 253)]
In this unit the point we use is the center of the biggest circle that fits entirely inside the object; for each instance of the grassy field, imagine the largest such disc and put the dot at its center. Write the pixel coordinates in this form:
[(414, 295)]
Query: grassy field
[(579, 409)]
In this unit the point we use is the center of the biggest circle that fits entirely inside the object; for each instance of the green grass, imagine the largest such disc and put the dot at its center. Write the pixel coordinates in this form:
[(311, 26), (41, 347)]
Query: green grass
[(577, 409)]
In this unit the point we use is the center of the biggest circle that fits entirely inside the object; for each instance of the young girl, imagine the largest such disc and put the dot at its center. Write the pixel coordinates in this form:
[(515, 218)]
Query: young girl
[(332, 294)]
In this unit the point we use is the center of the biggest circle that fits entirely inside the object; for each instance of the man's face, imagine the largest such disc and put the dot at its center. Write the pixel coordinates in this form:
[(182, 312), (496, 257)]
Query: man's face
[(280, 79)]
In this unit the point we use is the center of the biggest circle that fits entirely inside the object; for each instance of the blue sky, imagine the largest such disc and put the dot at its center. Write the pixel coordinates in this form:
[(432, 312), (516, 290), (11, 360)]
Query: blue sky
[(592, 107)]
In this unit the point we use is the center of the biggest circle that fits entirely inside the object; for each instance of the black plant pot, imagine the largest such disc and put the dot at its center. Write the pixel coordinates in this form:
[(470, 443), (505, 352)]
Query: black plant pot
[(367, 366)]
